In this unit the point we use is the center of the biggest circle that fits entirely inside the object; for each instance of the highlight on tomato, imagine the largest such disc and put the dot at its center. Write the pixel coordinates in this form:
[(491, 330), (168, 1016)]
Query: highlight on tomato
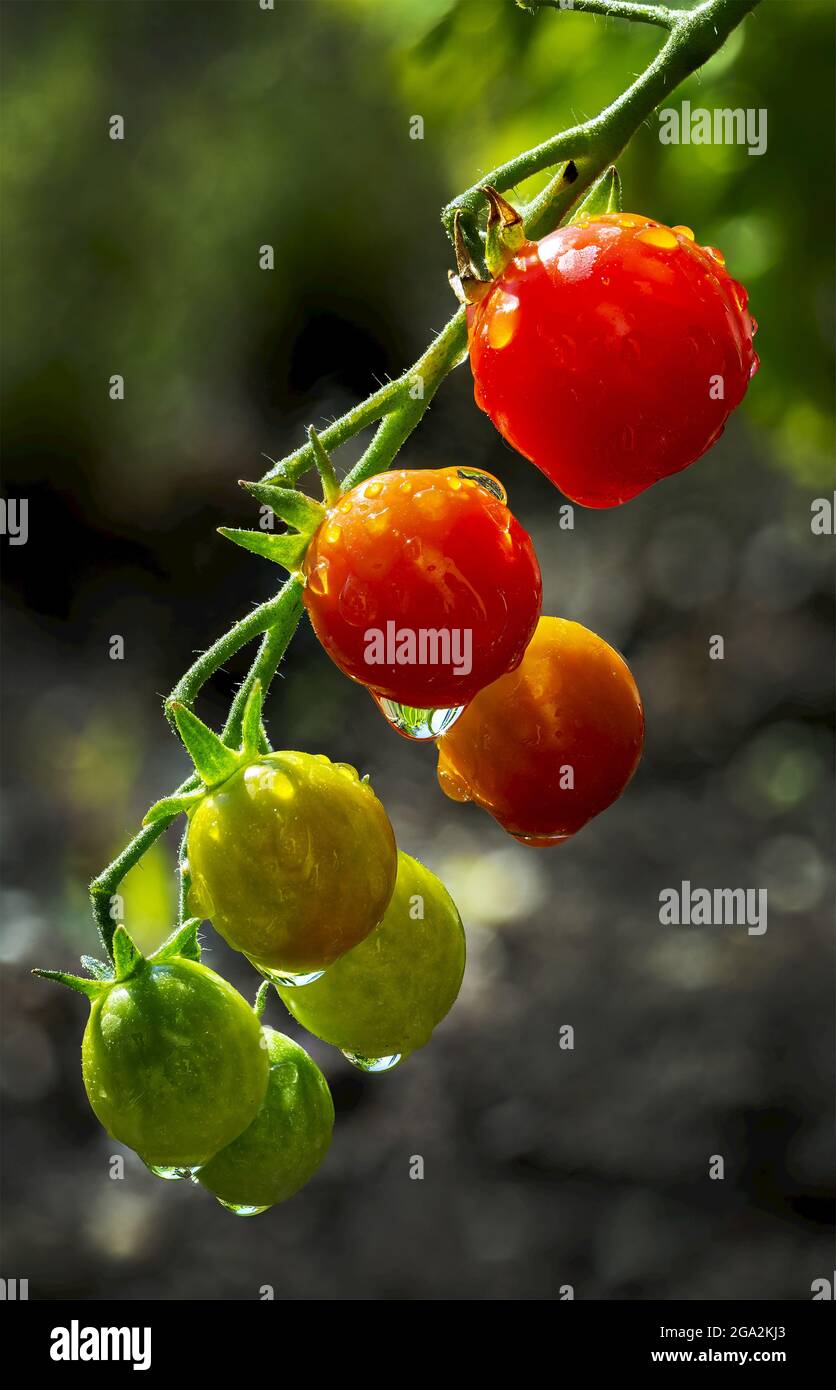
[(382, 1000), (291, 857), (552, 744), (172, 1060), (286, 1141), (611, 353)]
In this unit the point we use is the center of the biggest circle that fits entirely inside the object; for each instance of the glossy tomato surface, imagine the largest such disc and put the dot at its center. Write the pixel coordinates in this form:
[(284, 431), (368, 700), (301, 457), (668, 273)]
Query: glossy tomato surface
[(388, 994), (293, 859), (172, 1062), (611, 354), (287, 1140), (422, 585), (552, 744)]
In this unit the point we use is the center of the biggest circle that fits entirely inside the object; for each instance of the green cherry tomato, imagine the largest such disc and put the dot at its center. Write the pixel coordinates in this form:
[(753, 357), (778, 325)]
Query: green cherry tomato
[(173, 1063), (293, 859), (387, 995), (287, 1140)]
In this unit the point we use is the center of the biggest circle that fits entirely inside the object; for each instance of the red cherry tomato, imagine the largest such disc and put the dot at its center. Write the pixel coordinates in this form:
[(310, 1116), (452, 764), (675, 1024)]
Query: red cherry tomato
[(552, 744), (421, 585), (611, 354)]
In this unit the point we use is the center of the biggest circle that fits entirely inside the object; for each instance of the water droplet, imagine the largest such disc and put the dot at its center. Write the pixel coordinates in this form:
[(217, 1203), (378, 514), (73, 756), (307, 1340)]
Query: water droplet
[(754, 367), (378, 523), (417, 723), (684, 231), (317, 578), (345, 507), (754, 326), (346, 770), (372, 1063), (485, 480), (659, 236), (628, 439), (504, 320), (541, 842), (333, 533), (170, 1174), (431, 502), (716, 254), (287, 978), (373, 489), (241, 1210)]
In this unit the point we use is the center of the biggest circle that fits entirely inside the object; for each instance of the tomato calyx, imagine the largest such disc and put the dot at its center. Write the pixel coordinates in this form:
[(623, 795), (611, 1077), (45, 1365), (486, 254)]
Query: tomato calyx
[(128, 960), (505, 234), (468, 283), (303, 514), (603, 196), (214, 761)]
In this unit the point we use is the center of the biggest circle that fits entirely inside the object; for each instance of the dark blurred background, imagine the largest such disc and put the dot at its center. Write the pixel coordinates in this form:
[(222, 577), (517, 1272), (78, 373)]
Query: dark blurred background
[(292, 127)]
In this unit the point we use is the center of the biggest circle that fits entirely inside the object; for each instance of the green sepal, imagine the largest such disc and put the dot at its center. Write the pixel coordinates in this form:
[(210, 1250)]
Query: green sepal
[(99, 969), (468, 283), (287, 551), (171, 806), (251, 721), (261, 998), (127, 956), (603, 196), (91, 988), (504, 234), (324, 467), (213, 761), (292, 506), (183, 942)]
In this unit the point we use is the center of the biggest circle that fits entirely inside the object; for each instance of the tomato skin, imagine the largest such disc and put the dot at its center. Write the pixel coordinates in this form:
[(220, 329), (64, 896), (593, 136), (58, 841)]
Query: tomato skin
[(594, 353), (572, 703), (293, 859), (426, 550), (389, 993), (172, 1062), (288, 1139)]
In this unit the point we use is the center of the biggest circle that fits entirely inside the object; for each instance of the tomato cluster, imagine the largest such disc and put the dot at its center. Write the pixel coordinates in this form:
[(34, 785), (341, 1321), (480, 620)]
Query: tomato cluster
[(610, 354)]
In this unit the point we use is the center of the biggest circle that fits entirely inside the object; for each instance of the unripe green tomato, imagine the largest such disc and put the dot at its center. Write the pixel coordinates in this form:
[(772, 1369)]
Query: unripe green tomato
[(293, 859), (173, 1062), (287, 1140), (387, 995)]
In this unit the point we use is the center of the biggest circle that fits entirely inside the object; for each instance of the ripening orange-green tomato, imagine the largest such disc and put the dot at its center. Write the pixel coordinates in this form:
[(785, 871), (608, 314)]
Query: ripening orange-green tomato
[(293, 859), (551, 744)]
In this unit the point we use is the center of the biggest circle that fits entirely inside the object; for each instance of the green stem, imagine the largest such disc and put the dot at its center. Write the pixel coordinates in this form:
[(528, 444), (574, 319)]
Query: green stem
[(693, 36), (613, 9)]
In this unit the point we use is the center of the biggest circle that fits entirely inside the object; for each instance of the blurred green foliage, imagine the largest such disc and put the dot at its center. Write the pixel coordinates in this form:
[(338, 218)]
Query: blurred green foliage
[(291, 127)]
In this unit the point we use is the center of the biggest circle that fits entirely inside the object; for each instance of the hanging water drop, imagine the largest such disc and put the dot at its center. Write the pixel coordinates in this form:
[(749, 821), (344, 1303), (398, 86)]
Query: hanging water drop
[(241, 1210), (170, 1174), (286, 978), (417, 723), (373, 1064)]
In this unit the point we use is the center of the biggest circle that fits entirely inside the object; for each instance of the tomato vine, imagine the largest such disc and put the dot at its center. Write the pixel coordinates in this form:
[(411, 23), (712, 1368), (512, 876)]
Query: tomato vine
[(580, 156)]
